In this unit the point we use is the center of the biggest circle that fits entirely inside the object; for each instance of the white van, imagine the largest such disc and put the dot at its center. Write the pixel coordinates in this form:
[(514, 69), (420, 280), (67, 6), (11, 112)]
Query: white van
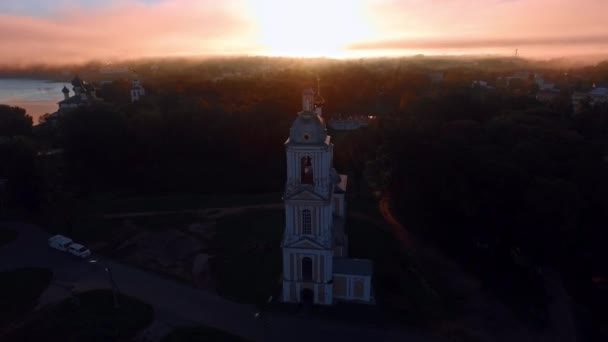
[(60, 242), (79, 250)]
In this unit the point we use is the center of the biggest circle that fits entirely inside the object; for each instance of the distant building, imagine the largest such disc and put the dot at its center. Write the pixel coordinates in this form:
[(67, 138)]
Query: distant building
[(316, 269), (137, 91), (113, 69), (436, 77), (84, 95), (542, 84), (350, 122), (597, 96), (481, 84), (548, 95)]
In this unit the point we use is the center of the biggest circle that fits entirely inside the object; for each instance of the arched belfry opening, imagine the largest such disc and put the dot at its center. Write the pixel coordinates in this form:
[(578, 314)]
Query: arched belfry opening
[(306, 174)]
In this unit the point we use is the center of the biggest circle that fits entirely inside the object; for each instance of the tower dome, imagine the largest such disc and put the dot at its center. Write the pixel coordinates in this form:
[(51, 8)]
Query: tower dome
[(308, 128), (65, 90)]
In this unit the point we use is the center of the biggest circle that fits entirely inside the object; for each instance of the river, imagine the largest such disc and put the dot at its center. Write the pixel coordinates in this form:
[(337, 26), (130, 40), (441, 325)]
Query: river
[(37, 97)]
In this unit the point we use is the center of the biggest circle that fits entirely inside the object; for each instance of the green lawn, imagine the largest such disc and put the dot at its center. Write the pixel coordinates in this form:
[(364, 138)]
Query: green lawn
[(91, 317), (248, 258), (198, 333), (88, 227), (19, 291), (114, 205), (7, 235), (92, 229)]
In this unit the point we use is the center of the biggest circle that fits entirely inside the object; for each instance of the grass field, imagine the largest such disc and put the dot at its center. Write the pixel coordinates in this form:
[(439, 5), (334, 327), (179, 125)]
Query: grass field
[(114, 205), (90, 316), (83, 220)]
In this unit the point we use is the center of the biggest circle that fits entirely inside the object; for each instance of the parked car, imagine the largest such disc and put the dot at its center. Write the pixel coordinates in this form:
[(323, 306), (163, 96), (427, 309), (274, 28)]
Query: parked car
[(79, 250), (60, 242)]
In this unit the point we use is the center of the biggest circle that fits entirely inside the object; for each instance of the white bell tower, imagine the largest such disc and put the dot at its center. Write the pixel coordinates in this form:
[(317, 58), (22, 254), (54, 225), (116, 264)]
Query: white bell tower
[(308, 242), (137, 91)]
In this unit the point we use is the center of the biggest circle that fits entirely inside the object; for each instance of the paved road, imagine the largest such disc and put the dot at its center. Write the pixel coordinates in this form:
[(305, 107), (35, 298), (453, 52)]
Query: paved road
[(175, 303)]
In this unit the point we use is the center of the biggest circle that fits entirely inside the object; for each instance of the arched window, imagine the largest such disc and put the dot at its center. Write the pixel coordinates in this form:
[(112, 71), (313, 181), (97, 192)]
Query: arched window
[(307, 269), (306, 222), (306, 170)]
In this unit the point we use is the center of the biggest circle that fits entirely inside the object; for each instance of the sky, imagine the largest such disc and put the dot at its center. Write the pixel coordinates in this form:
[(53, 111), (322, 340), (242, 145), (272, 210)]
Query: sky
[(66, 31)]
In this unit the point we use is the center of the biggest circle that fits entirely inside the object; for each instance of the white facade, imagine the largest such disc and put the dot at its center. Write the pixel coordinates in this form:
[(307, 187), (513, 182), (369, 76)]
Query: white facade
[(314, 212), (137, 91)]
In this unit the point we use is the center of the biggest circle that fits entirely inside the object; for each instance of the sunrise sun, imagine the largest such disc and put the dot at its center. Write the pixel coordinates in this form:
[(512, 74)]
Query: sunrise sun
[(309, 28)]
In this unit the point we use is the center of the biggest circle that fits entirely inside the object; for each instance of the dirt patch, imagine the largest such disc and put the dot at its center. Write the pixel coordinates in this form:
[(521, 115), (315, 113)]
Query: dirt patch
[(172, 244)]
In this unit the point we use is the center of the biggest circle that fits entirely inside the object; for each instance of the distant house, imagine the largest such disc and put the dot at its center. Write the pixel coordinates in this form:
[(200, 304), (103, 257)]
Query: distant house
[(481, 84), (137, 91), (84, 95), (596, 96), (436, 77), (113, 69), (547, 95)]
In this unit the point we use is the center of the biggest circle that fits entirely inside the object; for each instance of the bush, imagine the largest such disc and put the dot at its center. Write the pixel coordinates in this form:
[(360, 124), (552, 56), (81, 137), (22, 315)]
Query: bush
[(89, 316)]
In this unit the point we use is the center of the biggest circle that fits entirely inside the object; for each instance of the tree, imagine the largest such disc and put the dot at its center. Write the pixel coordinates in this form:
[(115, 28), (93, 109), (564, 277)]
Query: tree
[(97, 146), (14, 121)]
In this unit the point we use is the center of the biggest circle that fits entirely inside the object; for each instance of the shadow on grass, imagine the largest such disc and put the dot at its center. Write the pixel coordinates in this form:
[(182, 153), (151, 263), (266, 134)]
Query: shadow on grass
[(401, 289), (20, 290), (247, 249), (89, 316), (199, 333), (7, 235)]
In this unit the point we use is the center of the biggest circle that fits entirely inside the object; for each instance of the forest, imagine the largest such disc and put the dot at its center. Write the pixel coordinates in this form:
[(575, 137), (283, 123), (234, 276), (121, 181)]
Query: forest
[(499, 180)]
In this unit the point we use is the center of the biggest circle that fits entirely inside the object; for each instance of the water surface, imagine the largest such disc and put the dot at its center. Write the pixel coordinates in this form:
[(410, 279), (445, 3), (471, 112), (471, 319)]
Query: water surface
[(36, 96)]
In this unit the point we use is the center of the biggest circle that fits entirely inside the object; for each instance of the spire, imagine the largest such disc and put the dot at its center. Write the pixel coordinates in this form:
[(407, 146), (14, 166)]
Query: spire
[(66, 92), (319, 100), (307, 100)]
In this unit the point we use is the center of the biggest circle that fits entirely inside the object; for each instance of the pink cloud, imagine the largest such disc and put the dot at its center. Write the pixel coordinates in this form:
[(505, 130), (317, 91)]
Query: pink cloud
[(546, 27), (123, 30), (130, 29)]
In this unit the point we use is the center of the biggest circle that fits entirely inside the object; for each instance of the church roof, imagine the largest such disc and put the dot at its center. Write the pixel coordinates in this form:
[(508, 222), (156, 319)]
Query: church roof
[(600, 91), (341, 183), (362, 267), (308, 128), (77, 82), (88, 86), (72, 100)]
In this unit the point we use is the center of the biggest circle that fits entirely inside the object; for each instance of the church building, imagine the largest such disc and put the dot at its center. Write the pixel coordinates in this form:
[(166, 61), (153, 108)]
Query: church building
[(84, 95), (137, 91), (316, 267)]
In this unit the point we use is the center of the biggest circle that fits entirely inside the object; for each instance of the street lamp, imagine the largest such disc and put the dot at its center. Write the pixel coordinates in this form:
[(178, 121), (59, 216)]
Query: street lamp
[(115, 290), (258, 314)]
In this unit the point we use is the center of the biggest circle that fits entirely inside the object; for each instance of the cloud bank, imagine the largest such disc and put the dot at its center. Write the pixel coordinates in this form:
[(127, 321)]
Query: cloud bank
[(124, 29), (67, 31)]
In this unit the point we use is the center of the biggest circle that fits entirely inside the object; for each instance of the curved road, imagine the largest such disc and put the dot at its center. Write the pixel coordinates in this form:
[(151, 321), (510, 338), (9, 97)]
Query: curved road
[(177, 304), (398, 230)]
